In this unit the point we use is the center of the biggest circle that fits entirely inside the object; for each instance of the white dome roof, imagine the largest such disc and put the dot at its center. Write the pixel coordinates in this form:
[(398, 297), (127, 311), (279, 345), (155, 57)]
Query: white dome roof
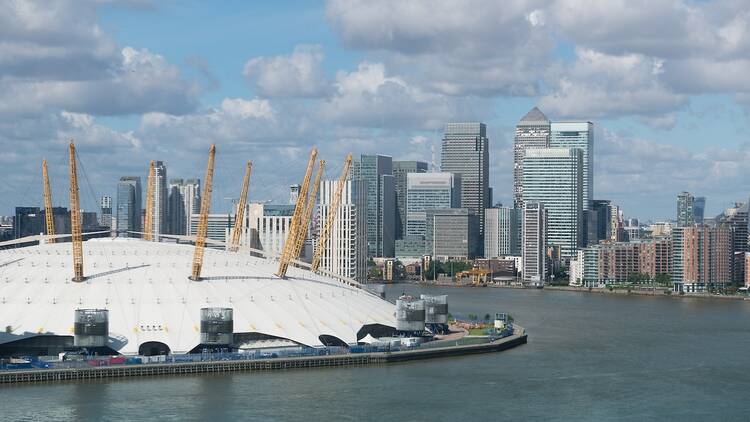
[(146, 289)]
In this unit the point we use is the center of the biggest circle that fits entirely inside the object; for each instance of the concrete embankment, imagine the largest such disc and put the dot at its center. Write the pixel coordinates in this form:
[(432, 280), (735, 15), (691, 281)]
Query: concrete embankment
[(621, 292), (355, 359)]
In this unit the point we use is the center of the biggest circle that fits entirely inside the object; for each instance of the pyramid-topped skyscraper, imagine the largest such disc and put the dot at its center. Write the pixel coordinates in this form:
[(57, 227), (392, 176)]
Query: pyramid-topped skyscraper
[(531, 132)]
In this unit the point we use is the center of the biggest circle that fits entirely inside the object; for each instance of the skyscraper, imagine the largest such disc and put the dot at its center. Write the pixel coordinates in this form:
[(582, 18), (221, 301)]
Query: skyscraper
[(577, 135), (128, 206), (105, 211), (400, 171), (176, 209), (699, 209), (184, 202), (685, 209), (452, 233), (161, 195), (427, 191), (465, 153), (534, 243), (345, 253), (376, 171), (500, 236), (532, 131), (553, 177)]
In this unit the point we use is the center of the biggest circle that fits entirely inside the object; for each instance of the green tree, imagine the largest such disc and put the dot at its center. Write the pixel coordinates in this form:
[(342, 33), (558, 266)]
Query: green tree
[(663, 279), (487, 317)]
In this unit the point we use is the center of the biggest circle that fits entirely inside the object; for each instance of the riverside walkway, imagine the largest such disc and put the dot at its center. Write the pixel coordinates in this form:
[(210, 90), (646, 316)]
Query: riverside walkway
[(352, 359)]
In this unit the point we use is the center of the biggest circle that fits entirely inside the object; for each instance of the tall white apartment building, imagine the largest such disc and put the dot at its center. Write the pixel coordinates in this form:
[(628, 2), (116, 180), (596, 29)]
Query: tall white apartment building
[(345, 253)]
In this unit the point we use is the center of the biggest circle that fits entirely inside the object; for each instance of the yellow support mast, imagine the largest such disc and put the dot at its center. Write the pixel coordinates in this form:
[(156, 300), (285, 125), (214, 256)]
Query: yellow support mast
[(309, 206), (299, 209), (200, 237), (75, 218), (239, 219), (333, 209), (148, 220), (48, 213)]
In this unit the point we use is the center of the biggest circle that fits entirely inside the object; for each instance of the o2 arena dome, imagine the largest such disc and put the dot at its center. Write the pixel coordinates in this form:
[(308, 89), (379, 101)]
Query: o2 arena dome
[(137, 298)]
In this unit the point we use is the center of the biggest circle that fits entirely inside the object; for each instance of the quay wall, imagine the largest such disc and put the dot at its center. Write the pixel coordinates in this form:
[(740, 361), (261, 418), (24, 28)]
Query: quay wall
[(353, 359)]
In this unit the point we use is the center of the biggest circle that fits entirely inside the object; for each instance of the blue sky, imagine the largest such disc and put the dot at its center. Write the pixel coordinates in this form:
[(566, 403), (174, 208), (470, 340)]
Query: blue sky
[(664, 82)]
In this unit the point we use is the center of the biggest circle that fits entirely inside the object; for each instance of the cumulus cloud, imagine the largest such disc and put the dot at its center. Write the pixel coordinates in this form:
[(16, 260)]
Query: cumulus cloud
[(296, 75), (368, 97), (602, 85), (480, 47), (626, 167)]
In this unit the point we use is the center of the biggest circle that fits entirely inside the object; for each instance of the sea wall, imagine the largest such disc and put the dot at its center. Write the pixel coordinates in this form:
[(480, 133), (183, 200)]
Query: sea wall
[(353, 359)]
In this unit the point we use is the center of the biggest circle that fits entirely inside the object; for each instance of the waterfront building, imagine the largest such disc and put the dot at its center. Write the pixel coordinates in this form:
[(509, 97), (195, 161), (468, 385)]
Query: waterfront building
[(736, 220), (105, 211), (219, 226), (534, 245), (553, 176), (575, 269), (685, 209), (747, 265), (427, 191), (621, 262), (376, 171), (129, 208), (533, 131), (345, 253), (465, 153), (452, 234), (400, 171), (702, 258), (699, 209), (500, 232), (577, 135)]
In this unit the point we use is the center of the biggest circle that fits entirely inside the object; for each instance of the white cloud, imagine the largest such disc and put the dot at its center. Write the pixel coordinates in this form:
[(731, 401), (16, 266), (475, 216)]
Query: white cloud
[(627, 168), (480, 47), (602, 85), (368, 97), (297, 75)]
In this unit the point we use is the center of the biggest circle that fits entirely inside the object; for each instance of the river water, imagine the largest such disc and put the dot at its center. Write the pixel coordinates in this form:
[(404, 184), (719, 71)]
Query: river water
[(589, 357)]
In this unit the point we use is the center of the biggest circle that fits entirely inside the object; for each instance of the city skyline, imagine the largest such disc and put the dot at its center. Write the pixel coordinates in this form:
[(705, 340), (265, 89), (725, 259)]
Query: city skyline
[(128, 94)]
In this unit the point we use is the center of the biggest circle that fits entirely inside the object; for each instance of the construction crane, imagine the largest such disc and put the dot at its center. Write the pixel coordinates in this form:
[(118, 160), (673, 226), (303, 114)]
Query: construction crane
[(239, 220), (309, 205), (299, 209), (48, 213), (75, 218), (331, 218), (200, 237), (148, 221)]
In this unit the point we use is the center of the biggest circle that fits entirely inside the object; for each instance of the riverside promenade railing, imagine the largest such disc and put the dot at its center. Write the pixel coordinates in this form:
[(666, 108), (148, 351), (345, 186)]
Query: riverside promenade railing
[(231, 362)]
